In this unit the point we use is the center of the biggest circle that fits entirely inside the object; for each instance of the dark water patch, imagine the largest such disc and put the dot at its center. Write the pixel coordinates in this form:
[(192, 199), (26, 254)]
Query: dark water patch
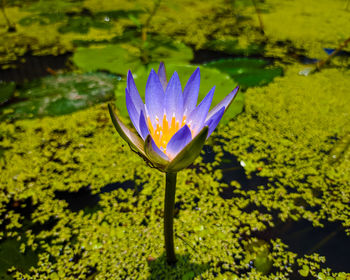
[(303, 238), (233, 170), (204, 56), (126, 185), (23, 207), (217, 49), (83, 199), (329, 51), (79, 200), (34, 67)]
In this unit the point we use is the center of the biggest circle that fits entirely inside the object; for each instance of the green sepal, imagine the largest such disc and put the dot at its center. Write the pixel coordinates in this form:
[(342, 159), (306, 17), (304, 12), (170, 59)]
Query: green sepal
[(189, 153), (134, 141)]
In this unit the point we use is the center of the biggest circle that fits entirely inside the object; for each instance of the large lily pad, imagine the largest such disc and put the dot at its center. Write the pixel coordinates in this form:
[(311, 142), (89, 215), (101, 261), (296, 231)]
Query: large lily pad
[(10, 255), (60, 95), (119, 58), (246, 71), (209, 78)]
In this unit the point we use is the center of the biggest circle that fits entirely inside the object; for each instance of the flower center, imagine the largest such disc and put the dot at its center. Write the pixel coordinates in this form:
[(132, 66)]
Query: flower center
[(165, 130)]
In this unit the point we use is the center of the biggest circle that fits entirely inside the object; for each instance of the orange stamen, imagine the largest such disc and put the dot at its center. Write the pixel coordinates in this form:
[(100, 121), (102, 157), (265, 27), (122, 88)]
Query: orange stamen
[(163, 133)]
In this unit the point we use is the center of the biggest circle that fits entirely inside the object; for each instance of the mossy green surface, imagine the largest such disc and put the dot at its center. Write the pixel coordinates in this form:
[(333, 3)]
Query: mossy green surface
[(309, 25), (286, 133), (296, 132), (77, 202), (291, 28)]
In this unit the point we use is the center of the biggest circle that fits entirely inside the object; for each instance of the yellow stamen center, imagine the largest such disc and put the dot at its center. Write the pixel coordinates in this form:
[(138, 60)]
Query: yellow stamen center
[(165, 130)]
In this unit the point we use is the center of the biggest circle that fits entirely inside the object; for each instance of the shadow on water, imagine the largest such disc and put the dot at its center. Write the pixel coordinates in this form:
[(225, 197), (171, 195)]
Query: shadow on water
[(232, 170), (34, 67), (183, 270), (83, 199), (303, 238)]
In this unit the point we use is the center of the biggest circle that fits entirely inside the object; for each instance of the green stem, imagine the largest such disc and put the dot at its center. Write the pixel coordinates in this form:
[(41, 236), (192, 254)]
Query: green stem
[(322, 63), (169, 203)]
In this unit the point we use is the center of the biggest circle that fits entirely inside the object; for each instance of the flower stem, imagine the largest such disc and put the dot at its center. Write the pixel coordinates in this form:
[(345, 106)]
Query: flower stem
[(169, 203)]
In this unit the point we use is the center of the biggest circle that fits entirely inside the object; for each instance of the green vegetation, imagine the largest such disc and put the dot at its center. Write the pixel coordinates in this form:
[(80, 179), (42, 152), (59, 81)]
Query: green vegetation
[(76, 203), (58, 95)]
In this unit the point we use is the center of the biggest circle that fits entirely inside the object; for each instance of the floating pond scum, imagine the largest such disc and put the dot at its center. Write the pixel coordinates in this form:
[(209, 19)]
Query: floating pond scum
[(267, 197)]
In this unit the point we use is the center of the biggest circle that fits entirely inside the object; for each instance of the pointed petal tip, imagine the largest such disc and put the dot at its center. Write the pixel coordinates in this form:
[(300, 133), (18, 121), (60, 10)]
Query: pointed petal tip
[(129, 77)]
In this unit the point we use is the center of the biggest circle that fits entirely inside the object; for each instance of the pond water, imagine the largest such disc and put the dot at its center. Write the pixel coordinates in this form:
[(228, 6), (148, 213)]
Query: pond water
[(268, 197)]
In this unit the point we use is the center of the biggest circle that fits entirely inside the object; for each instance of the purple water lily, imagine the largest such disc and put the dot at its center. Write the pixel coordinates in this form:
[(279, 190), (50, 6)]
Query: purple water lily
[(171, 130), (171, 127)]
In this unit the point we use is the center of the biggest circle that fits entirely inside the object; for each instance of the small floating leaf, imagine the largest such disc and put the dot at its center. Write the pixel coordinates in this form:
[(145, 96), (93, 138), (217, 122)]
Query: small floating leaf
[(248, 72)]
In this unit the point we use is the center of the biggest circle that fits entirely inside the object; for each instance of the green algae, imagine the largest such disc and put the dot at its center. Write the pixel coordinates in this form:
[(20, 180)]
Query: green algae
[(288, 134), (215, 237), (56, 27), (313, 25)]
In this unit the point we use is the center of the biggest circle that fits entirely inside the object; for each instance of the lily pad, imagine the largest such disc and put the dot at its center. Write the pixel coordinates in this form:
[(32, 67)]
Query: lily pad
[(60, 95), (6, 91), (119, 58), (82, 25), (209, 78), (10, 256), (248, 72)]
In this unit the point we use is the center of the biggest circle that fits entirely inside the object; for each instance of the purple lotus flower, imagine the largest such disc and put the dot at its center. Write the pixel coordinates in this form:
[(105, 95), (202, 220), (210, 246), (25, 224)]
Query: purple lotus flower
[(171, 127)]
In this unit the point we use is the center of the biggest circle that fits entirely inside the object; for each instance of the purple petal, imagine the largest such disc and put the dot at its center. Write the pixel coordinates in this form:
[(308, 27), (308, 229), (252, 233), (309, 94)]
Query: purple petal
[(143, 126), (214, 121), (189, 153), (134, 94), (174, 99), (191, 92), (153, 152), (197, 116), (154, 97), (162, 75), (133, 114), (179, 140), (226, 102)]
